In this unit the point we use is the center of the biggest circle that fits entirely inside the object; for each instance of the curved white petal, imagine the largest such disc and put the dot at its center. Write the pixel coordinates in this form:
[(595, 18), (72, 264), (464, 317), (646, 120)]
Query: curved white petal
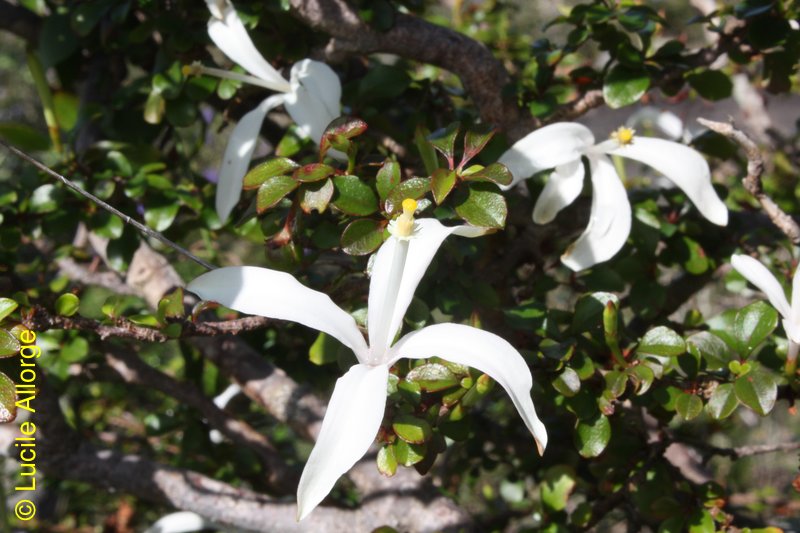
[(265, 292), (683, 165), (180, 522), (315, 98), (351, 422), (609, 221), (757, 274), (485, 351), (547, 147), (238, 153), (398, 268), (230, 36), (564, 185), (793, 330)]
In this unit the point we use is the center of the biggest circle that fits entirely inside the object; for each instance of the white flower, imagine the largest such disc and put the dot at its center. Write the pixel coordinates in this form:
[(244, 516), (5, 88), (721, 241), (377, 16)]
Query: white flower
[(757, 274), (562, 145), (311, 96), (357, 405)]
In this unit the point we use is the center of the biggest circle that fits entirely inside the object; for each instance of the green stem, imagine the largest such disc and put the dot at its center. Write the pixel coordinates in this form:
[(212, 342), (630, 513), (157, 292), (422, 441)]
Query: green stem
[(46, 96)]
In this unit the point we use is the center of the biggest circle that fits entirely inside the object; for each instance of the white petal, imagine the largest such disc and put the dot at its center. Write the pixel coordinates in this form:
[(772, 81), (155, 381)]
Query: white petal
[(315, 98), (351, 423), (265, 292), (547, 147), (757, 274), (484, 351), (609, 221), (684, 166), (564, 185), (230, 36), (217, 8), (794, 329), (180, 522), (396, 274), (238, 153), (667, 122)]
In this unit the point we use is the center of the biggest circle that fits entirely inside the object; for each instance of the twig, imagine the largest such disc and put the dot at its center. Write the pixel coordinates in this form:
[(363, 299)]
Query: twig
[(742, 451), (40, 319), (94, 199), (135, 371), (752, 182)]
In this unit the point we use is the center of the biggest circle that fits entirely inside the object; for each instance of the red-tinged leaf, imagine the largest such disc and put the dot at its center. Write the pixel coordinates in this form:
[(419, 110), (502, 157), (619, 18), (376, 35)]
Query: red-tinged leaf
[(280, 166), (313, 172)]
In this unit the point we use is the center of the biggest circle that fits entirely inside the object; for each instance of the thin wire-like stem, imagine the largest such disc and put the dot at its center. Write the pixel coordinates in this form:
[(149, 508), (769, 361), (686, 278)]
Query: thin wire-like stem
[(94, 199)]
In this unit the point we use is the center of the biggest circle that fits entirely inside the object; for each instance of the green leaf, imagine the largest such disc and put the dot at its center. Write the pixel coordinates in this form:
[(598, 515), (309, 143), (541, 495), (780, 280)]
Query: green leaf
[(67, 304), (171, 306), (711, 348), (592, 437), (641, 377), (661, 341), (24, 137), (701, 521), (7, 306), (324, 350), (757, 390), (433, 377), (9, 345), (414, 188), (382, 83), (426, 151), (624, 86), (387, 178), (476, 140), (313, 172), (353, 196), (711, 84), (279, 166), (408, 454), (496, 173), (387, 462), (688, 406), (161, 216), (444, 141), (272, 191), (559, 482), (75, 350), (412, 429), (362, 237), (57, 41), (65, 106), (589, 311), (45, 199), (481, 204), (442, 182), (316, 196), (339, 132), (723, 401), (753, 324), (154, 107), (568, 383), (8, 399)]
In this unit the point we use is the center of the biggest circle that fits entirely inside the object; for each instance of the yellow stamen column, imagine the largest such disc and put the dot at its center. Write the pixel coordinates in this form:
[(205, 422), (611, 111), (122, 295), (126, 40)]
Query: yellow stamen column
[(401, 229)]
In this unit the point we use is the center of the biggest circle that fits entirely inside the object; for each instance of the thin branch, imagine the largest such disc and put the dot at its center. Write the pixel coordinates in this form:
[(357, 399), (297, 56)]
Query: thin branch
[(482, 75), (94, 199), (135, 371), (752, 182), (85, 276), (40, 319), (742, 451)]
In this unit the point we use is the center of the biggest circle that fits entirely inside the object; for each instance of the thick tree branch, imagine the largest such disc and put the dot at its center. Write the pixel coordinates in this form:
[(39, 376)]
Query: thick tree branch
[(40, 319), (266, 384), (62, 454), (19, 21), (482, 75), (752, 182), (135, 371)]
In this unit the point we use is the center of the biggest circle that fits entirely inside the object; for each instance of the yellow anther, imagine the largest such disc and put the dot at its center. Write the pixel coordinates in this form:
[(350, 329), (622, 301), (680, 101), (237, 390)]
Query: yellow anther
[(409, 206), (623, 135), (404, 225), (189, 70)]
